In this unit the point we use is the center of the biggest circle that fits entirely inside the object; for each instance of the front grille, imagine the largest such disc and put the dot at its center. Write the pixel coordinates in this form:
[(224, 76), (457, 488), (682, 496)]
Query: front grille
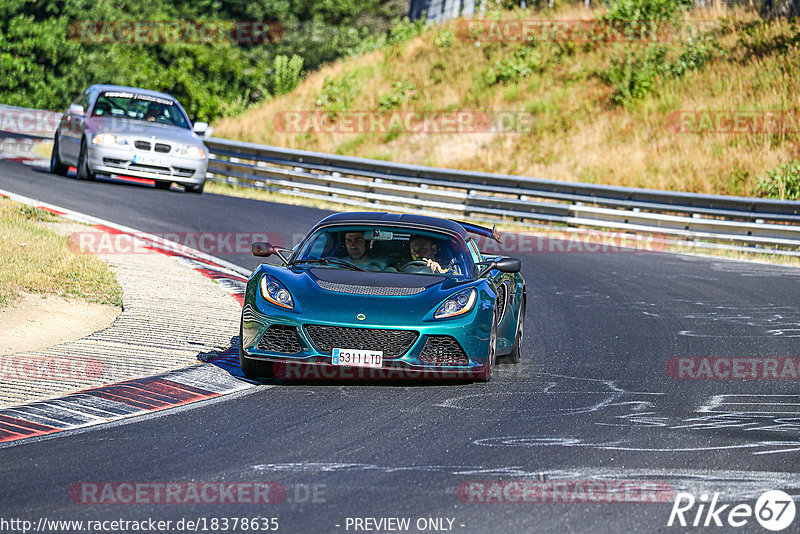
[(149, 168), (161, 147), (369, 290), (443, 350), (280, 338), (142, 145), (393, 343)]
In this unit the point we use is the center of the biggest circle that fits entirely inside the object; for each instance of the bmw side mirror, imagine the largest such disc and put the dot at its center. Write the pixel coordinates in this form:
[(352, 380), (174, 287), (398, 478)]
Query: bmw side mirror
[(76, 109), (202, 128)]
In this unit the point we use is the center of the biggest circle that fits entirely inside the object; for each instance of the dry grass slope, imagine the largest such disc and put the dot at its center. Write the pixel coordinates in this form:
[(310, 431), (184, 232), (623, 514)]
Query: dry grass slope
[(579, 133)]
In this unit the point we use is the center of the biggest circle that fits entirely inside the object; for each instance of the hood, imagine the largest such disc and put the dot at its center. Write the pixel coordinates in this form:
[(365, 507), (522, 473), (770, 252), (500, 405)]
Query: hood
[(386, 299), (136, 129), (372, 283)]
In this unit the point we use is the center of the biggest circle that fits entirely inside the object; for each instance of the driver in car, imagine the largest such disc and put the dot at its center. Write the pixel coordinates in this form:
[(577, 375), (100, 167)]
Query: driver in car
[(357, 253), (425, 250)]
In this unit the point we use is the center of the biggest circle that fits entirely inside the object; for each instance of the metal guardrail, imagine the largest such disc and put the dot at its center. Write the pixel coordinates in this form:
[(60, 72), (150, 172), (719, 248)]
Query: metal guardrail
[(740, 221)]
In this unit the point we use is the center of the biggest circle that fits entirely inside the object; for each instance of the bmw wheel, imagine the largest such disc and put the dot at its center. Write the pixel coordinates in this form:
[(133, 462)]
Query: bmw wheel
[(195, 188), (83, 164), (56, 165)]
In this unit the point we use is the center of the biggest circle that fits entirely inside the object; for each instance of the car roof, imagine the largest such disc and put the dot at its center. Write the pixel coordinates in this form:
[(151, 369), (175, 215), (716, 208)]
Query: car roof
[(400, 219), (148, 92)]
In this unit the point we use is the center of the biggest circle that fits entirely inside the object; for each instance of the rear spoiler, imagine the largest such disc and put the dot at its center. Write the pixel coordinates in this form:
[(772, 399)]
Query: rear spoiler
[(480, 230)]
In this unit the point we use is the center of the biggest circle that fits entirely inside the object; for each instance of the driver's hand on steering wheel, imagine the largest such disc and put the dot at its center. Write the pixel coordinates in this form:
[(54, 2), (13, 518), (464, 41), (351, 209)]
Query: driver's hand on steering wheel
[(434, 266)]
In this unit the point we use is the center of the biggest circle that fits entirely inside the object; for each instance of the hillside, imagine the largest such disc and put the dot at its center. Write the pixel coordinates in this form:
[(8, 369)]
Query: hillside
[(708, 106)]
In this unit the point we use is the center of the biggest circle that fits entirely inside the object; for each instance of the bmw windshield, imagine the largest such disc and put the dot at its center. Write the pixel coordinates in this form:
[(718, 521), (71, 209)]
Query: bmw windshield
[(136, 106), (385, 249)]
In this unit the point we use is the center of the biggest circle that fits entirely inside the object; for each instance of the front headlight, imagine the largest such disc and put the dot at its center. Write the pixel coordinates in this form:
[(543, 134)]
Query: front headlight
[(107, 139), (190, 151), (457, 304), (275, 292)]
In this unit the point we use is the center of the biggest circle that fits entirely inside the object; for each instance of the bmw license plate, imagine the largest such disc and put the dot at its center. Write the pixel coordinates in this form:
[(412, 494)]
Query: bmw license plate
[(151, 160), (357, 358)]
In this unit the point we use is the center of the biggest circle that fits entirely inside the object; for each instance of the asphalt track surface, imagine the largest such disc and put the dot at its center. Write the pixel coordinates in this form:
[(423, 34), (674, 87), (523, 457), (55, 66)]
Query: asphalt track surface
[(591, 400)]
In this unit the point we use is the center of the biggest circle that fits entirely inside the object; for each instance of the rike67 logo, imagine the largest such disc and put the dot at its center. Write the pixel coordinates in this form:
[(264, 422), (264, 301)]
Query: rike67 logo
[(774, 510)]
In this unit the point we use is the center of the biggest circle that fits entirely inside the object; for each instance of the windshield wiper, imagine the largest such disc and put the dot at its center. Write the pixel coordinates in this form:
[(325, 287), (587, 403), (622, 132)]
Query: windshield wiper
[(329, 261)]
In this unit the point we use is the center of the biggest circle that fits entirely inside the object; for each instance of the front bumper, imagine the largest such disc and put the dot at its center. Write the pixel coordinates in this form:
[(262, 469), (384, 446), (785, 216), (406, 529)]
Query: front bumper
[(163, 167), (308, 361)]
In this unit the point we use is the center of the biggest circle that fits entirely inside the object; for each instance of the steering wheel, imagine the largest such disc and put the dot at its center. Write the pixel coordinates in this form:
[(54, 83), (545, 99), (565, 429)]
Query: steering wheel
[(415, 263)]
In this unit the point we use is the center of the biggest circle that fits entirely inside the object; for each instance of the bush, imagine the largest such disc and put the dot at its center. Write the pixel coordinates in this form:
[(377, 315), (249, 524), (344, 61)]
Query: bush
[(646, 10), (695, 54), (782, 182), (287, 74), (405, 30), (338, 93), (397, 96), (632, 77), (523, 63)]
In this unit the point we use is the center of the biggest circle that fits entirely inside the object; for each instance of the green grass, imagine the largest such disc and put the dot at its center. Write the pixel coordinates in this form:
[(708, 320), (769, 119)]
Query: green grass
[(37, 259)]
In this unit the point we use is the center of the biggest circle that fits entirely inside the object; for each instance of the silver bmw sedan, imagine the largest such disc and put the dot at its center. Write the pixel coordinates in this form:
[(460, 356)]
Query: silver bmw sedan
[(111, 129)]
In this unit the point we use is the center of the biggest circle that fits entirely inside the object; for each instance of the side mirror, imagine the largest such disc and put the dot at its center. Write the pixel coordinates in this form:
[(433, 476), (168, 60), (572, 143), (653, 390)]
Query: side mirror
[(508, 265), (262, 249), (265, 250), (202, 128), (504, 265), (76, 109)]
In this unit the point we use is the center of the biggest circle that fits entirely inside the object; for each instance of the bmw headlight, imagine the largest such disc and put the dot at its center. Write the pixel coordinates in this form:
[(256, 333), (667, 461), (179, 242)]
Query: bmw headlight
[(190, 151), (275, 292), (107, 139), (457, 304)]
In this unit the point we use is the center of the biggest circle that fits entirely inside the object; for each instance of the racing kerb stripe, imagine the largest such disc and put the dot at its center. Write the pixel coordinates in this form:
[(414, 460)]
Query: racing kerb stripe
[(139, 396)]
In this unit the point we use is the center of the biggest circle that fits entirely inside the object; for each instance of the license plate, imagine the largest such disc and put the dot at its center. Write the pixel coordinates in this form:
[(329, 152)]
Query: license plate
[(151, 160), (357, 358)]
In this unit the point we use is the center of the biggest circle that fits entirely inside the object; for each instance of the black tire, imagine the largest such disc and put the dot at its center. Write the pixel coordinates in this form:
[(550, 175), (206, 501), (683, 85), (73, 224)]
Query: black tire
[(515, 355), (84, 173), (163, 185), (486, 372), (253, 368), (198, 189), (56, 165)]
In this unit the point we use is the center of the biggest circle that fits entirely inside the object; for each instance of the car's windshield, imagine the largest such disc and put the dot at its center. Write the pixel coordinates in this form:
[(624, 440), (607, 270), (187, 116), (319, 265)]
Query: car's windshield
[(386, 249), (141, 107)]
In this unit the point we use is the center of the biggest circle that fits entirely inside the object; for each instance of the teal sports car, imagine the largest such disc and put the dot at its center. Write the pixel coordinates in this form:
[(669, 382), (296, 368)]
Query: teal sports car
[(379, 295)]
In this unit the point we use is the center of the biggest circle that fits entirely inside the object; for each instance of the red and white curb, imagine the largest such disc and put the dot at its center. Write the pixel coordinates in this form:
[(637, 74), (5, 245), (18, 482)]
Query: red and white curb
[(139, 396), (116, 401)]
